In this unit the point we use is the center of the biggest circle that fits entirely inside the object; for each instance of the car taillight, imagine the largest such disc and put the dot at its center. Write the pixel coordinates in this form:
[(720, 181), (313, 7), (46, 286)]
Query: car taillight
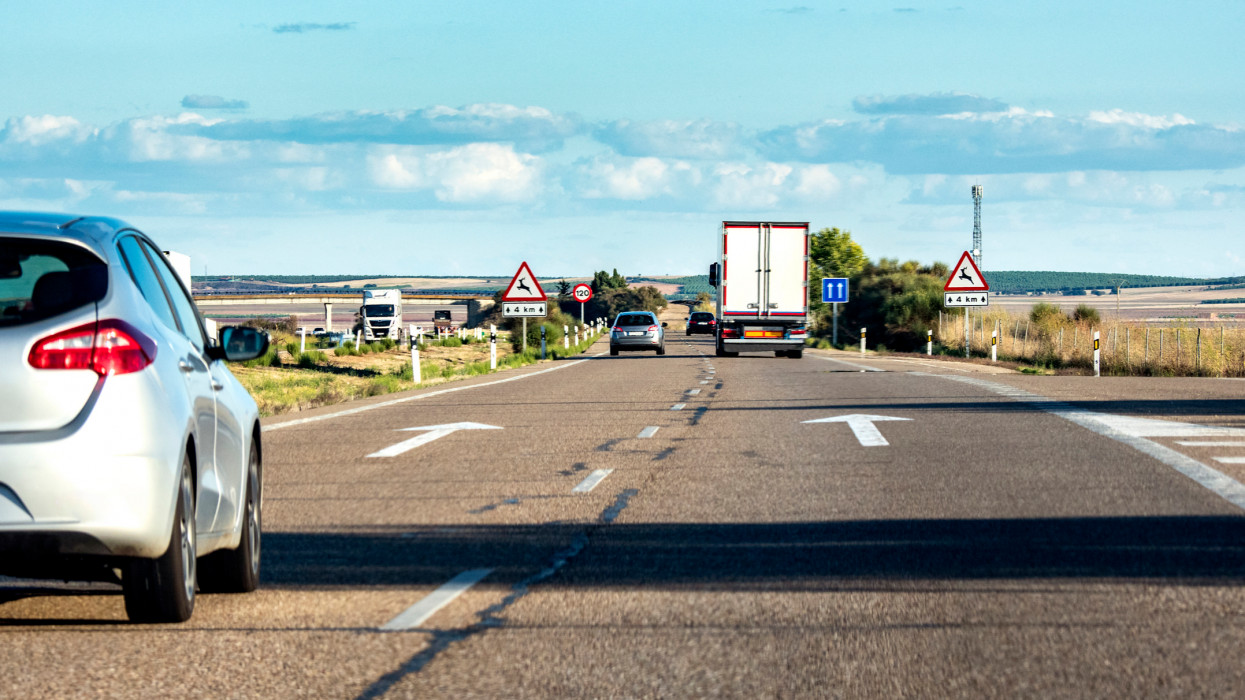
[(652, 328), (713, 323), (107, 347), (616, 329)]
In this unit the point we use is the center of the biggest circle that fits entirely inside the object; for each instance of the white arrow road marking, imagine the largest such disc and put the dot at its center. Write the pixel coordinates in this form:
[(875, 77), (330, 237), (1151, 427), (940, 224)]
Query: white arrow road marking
[(434, 432), (862, 425), (415, 615)]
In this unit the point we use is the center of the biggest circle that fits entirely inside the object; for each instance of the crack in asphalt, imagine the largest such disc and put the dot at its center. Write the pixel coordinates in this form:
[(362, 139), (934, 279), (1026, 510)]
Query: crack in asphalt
[(490, 617)]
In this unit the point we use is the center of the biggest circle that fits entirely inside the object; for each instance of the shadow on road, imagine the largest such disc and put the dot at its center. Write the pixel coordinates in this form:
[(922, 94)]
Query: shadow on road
[(1189, 550)]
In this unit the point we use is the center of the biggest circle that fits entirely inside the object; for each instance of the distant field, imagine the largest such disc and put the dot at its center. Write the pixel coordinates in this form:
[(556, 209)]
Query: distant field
[(1145, 304)]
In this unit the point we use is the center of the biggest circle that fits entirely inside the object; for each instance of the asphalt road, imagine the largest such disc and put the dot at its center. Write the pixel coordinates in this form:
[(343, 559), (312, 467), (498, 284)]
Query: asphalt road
[(643, 526)]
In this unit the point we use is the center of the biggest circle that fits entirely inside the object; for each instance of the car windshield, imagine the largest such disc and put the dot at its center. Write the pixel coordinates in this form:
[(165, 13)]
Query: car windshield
[(378, 310), (634, 320), (40, 279), (441, 315)]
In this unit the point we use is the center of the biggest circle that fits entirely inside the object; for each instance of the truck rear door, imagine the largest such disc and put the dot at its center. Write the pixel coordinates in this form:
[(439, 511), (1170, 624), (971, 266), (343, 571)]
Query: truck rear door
[(786, 270), (743, 267)]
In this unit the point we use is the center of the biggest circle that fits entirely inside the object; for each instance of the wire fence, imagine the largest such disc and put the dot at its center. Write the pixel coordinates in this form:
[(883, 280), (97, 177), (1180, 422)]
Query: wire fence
[(1127, 348)]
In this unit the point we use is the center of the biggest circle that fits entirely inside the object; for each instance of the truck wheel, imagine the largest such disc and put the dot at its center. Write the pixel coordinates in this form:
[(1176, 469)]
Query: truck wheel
[(237, 570), (163, 589)]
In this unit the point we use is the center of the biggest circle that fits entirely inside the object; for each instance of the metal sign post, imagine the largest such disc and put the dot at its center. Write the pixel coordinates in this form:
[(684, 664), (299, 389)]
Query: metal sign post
[(833, 292)]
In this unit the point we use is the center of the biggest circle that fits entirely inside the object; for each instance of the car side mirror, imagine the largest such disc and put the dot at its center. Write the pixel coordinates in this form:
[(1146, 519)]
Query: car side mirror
[(664, 324), (239, 343)]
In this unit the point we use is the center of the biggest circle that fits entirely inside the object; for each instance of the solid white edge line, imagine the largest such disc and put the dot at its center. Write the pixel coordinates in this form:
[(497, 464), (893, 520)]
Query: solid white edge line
[(394, 402), (1211, 443), (678, 407), (418, 613), (1208, 477), (862, 368), (590, 482), (1229, 460), (648, 432)]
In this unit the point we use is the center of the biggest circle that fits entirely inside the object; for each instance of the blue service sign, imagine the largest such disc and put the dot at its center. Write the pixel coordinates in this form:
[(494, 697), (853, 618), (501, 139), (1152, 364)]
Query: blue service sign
[(834, 290)]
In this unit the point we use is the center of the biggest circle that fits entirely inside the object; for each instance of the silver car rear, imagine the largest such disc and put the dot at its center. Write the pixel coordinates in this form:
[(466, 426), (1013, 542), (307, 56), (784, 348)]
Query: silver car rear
[(637, 330), (124, 439)]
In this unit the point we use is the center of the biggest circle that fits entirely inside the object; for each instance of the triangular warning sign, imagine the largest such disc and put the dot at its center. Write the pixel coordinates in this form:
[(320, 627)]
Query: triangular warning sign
[(965, 277), (524, 286)]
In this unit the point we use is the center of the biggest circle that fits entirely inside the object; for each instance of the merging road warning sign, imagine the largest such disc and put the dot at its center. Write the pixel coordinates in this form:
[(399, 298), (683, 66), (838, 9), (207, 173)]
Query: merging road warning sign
[(966, 286)]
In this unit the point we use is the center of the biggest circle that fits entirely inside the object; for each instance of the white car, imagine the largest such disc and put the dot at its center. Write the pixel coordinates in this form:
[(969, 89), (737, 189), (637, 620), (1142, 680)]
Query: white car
[(128, 451)]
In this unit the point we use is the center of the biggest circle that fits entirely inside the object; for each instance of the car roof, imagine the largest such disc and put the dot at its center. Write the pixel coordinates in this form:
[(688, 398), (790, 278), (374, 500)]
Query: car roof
[(95, 232)]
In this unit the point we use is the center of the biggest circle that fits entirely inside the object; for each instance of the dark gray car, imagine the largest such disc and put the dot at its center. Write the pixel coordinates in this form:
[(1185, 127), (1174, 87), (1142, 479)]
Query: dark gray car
[(637, 330)]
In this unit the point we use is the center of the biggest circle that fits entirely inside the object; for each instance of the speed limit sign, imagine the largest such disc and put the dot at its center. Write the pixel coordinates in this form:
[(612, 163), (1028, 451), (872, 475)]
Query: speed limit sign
[(582, 293)]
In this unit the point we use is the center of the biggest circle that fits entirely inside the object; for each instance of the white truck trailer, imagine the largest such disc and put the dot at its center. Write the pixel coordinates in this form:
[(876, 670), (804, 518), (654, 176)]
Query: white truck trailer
[(382, 314), (762, 282)]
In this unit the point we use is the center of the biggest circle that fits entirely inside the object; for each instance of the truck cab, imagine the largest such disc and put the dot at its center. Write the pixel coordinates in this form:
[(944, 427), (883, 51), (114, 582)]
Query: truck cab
[(381, 314)]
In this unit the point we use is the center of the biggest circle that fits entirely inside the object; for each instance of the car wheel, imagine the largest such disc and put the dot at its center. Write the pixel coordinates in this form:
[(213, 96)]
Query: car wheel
[(163, 589), (613, 350), (795, 354), (237, 570), (661, 350)]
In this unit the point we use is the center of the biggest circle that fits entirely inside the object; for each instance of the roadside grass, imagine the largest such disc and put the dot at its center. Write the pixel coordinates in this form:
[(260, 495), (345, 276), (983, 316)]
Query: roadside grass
[(285, 380)]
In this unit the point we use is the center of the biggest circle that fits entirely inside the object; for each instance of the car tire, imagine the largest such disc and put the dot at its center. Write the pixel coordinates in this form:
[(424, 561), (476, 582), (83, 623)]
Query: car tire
[(163, 589), (795, 354), (661, 350), (237, 570), (613, 350)]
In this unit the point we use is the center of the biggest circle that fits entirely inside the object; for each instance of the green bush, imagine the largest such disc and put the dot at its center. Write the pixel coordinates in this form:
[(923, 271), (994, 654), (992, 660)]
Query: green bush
[(1086, 313), (311, 358)]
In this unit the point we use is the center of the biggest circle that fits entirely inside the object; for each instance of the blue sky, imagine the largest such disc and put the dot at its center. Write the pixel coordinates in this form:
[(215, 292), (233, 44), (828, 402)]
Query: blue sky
[(465, 137)]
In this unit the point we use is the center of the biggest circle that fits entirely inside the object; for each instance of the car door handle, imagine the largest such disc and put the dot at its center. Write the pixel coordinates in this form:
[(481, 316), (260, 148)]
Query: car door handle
[(185, 366), (217, 385)]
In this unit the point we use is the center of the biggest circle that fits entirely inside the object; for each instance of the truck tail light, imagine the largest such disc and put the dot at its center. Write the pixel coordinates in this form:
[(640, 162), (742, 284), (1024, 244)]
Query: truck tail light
[(799, 332), (107, 347), (730, 332)]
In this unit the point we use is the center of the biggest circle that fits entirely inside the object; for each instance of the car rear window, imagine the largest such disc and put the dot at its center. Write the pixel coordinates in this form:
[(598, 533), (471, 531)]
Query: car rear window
[(635, 320), (40, 279), (702, 316)]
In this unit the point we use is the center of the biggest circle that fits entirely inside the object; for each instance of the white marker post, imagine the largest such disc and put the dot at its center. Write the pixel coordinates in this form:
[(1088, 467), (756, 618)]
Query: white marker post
[(566, 338), (577, 335), (929, 342), (863, 332), (410, 334), (994, 346), (1097, 366), (358, 339), (415, 373), (302, 346), (492, 347)]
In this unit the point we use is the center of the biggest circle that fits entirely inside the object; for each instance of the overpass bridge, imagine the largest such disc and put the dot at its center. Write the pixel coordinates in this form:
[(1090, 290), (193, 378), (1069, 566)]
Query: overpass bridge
[(470, 310)]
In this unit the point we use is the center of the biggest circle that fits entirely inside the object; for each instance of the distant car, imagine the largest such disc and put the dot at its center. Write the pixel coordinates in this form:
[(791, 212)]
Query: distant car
[(637, 330), (128, 451), (701, 322), (319, 332)]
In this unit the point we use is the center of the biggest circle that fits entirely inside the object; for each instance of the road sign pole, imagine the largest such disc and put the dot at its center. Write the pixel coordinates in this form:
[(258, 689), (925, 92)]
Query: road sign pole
[(968, 333), (525, 334), (834, 336), (581, 313)]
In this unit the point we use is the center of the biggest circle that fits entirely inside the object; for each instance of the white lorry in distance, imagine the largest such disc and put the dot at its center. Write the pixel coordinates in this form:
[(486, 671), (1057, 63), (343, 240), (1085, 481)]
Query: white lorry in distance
[(762, 282), (382, 314)]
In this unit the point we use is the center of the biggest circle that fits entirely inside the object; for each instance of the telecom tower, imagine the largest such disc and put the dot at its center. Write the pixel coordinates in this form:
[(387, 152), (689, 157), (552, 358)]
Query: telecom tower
[(977, 225)]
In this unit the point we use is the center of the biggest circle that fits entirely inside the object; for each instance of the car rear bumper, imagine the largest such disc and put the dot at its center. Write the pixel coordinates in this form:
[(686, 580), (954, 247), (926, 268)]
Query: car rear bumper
[(647, 342), (107, 487)]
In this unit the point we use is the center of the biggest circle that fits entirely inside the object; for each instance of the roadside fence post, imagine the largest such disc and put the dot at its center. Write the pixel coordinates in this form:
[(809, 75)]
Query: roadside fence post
[(1197, 362), (302, 343), (415, 373), (1128, 347), (994, 346), (358, 339), (566, 338), (1026, 346), (1097, 367)]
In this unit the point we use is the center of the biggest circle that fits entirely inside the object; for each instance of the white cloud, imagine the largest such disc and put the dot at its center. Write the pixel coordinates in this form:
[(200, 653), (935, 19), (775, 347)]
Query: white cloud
[(635, 178), (41, 130), (477, 172), (1137, 119), (700, 139)]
